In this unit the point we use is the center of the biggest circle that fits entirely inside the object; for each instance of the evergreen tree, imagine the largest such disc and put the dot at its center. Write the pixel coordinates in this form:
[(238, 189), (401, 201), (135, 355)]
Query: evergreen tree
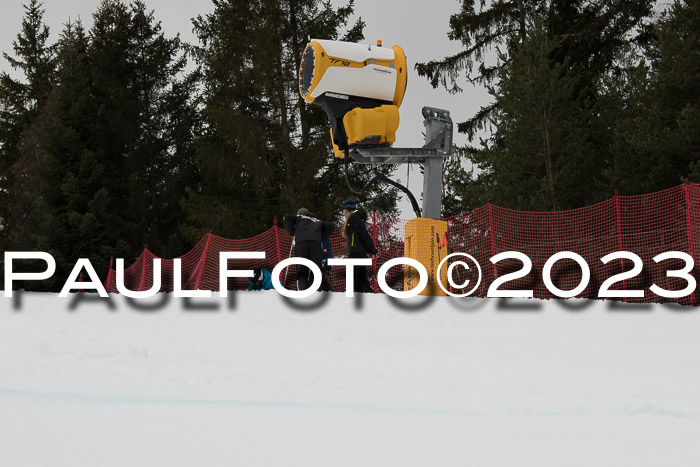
[(654, 109), (264, 151), (143, 130), (577, 45), (69, 172), (115, 141), (34, 58), (21, 101), (541, 151), (591, 33), (482, 29), (594, 34), (679, 85)]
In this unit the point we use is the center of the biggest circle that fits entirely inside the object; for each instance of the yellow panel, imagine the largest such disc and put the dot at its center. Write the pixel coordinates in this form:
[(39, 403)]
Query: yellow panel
[(421, 244), (377, 125), (336, 150), (402, 74)]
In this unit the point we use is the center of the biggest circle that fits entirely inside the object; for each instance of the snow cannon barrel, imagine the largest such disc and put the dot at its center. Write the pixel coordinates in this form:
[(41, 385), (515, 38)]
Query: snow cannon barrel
[(359, 86)]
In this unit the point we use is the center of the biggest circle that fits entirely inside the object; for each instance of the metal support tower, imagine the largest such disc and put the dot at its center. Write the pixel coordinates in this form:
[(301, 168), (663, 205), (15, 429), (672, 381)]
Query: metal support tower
[(438, 144)]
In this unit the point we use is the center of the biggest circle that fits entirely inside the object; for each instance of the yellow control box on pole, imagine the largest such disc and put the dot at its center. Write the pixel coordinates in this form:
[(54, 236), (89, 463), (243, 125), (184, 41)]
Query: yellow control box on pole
[(376, 125), (425, 242)]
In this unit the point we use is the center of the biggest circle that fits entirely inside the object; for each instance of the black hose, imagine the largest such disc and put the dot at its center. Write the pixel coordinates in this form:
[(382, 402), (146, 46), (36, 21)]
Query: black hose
[(347, 178), (378, 177), (411, 198)]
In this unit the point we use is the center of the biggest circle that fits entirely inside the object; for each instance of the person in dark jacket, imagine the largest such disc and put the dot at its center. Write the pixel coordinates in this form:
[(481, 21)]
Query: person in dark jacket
[(261, 280), (360, 243), (308, 232)]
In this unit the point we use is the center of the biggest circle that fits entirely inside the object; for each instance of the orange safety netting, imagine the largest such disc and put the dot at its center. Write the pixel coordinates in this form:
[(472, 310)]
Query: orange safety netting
[(646, 225)]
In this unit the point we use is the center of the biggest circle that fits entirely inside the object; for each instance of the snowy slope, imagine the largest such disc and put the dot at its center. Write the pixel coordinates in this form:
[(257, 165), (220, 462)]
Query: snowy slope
[(352, 382)]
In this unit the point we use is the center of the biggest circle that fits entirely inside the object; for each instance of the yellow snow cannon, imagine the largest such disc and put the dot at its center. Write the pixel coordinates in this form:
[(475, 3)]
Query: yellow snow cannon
[(359, 86)]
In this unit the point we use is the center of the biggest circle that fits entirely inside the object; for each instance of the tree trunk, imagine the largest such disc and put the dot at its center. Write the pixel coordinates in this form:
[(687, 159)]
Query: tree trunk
[(547, 152)]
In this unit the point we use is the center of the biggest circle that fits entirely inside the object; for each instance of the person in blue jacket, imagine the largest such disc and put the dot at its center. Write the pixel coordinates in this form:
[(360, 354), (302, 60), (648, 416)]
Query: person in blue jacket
[(261, 280)]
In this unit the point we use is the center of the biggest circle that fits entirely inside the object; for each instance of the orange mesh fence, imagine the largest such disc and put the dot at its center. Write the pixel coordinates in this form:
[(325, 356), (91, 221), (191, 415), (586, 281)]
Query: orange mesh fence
[(645, 225)]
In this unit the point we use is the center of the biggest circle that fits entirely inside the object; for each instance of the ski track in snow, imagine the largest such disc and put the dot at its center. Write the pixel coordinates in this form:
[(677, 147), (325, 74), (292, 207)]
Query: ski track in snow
[(641, 410), (364, 381)]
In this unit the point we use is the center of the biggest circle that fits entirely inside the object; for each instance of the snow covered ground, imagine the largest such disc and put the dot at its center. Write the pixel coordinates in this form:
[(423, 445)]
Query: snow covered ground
[(260, 380)]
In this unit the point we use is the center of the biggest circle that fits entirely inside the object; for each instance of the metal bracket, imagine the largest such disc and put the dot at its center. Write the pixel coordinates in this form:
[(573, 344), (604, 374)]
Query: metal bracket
[(438, 144)]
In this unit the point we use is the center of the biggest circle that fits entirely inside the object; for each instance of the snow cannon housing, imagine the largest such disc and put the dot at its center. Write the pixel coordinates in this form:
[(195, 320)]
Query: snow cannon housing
[(359, 86)]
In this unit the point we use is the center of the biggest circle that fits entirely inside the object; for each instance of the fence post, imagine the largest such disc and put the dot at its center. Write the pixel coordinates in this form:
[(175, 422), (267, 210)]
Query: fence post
[(690, 233), (143, 271), (277, 242), (108, 283), (493, 242), (374, 240), (619, 237), (203, 263)]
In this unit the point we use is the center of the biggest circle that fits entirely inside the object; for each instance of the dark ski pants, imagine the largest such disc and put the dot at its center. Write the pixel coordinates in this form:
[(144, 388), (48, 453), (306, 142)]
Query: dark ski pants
[(310, 250), (359, 274)]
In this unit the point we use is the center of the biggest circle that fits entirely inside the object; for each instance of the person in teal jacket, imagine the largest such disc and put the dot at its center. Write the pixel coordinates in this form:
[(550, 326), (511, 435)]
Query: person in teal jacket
[(261, 280)]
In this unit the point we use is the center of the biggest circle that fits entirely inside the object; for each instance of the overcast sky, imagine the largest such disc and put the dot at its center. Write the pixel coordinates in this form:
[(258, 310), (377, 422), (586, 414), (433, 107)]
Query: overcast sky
[(420, 28)]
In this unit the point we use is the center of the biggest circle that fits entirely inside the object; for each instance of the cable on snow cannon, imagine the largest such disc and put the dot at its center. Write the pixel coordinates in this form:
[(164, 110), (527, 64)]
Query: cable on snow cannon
[(359, 86)]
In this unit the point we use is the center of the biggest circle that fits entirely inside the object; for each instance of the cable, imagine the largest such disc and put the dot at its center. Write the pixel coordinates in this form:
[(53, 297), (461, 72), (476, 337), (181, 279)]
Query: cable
[(377, 177), (411, 198)]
